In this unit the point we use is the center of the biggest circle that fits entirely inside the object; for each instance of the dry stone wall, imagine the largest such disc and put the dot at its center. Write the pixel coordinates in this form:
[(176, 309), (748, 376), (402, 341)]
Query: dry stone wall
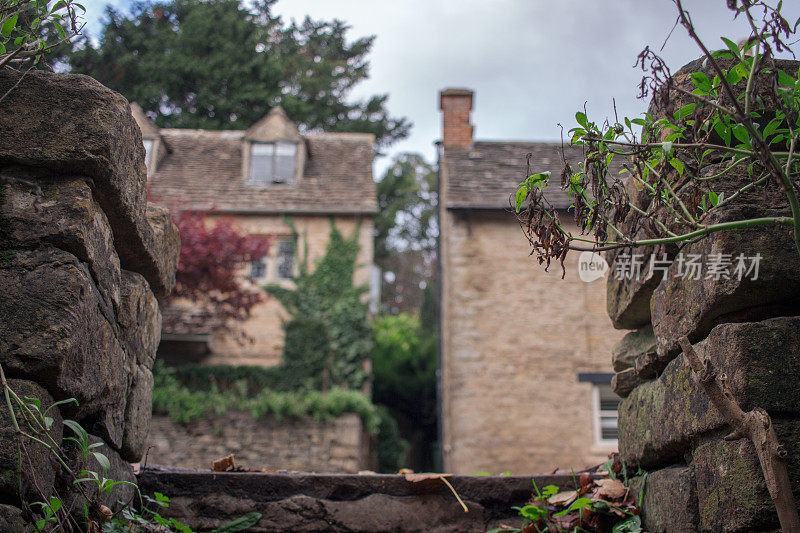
[(749, 328), (83, 259), (339, 445)]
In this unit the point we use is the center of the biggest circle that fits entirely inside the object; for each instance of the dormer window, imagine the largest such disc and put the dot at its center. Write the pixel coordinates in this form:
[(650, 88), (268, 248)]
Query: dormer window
[(272, 162)]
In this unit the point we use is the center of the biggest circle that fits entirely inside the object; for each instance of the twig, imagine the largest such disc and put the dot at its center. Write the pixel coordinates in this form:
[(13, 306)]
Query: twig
[(755, 425)]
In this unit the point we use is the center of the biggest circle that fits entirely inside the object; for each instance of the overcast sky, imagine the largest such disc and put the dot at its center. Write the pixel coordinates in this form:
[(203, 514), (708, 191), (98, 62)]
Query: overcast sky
[(532, 63)]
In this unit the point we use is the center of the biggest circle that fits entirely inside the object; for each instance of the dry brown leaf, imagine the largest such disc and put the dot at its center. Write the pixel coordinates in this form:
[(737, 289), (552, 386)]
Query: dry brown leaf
[(610, 488), (223, 465), (563, 498)]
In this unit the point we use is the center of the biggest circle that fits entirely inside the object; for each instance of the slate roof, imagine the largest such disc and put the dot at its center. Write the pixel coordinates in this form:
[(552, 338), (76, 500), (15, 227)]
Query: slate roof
[(203, 171), (486, 174)]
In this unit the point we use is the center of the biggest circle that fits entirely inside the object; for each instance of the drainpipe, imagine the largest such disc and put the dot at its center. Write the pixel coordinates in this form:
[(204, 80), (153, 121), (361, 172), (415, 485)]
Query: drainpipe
[(439, 288)]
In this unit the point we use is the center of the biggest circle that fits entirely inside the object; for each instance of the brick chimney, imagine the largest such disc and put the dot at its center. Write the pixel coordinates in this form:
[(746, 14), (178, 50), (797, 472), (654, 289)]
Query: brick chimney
[(456, 105)]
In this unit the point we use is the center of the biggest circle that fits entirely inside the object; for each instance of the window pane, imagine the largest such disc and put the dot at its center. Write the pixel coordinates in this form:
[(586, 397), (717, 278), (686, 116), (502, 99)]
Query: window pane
[(258, 269), (608, 428), (609, 401), (261, 155), (286, 259), (284, 162)]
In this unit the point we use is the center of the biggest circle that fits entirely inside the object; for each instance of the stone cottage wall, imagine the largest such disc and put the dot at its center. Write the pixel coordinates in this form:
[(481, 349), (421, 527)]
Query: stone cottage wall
[(83, 259), (750, 331), (340, 445)]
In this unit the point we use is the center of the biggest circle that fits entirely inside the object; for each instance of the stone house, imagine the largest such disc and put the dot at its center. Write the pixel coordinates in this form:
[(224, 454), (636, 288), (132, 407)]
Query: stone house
[(525, 356), (266, 180)]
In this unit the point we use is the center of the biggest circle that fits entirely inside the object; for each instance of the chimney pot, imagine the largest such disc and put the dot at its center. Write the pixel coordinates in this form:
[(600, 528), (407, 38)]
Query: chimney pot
[(456, 105)]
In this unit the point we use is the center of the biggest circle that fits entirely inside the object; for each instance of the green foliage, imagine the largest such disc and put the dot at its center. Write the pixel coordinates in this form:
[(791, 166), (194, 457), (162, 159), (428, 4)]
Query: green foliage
[(184, 404), (29, 29), (328, 337), (406, 232), (404, 367), (391, 448), (224, 63)]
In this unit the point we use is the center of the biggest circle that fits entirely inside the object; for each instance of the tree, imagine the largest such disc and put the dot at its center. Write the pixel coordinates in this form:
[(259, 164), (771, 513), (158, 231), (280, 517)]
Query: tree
[(219, 65), (209, 269), (406, 231), (726, 133), (328, 338), (30, 29), (404, 369)]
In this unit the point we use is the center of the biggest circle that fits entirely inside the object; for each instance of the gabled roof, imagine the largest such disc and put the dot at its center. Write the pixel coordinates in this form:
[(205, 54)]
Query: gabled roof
[(204, 171), (488, 173)]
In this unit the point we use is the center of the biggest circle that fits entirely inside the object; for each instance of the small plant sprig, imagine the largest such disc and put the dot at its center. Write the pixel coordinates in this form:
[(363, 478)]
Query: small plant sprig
[(742, 115)]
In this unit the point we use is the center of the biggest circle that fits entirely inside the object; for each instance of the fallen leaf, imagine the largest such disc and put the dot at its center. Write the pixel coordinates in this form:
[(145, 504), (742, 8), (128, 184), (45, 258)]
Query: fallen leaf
[(563, 498), (223, 465), (610, 488), (416, 478)]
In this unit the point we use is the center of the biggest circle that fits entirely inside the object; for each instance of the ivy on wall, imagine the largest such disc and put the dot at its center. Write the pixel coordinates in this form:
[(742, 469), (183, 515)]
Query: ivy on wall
[(328, 338)]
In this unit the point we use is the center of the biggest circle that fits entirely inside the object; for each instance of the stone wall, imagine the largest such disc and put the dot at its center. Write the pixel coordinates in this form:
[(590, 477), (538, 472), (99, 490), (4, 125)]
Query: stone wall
[(82, 260), (339, 445), (514, 339), (749, 330)]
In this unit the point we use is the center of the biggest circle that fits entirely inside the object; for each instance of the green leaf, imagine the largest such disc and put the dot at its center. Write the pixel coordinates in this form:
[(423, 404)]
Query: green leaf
[(740, 132), (701, 81), (713, 198), (723, 132), (685, 111), (580, 503), (55, 504), (677, 164), (240, 524), (733, 47), (103, 460), (76, 428), (639, 121), (733, 76), (9, 25), (785, 79), (522, 193), (631, 525), (581, 118), (533, 513), (549, 490)]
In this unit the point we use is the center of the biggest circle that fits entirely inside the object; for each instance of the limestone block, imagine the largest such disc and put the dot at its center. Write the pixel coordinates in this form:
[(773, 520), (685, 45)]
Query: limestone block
[(628, 299), (761, 364), (631, 346), (731, 489), (63, 213), (38, 464), (139, 319), (685, 306), (52, 328), (73, 124), (622, 383), (120, 471), (669, 500), (11, 520), (138, 411)]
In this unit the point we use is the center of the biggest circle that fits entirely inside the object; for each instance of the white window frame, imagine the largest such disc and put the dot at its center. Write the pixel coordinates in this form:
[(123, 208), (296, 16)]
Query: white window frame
[(599, 414), (274, 178)]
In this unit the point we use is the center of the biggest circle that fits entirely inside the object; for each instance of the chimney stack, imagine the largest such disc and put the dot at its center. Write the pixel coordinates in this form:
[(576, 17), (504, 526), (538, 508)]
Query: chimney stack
[(456, 105)]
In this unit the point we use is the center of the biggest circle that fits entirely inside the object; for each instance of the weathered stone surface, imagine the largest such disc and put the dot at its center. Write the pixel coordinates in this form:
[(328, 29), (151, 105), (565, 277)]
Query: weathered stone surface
[(628, 299), (669, 500), (63, 214), (631, 346), (138, 411), (761, 363), (685, 306), (622, 383), (11, 520), (120, 471), (139, 319), (52, 328), (167, 242), (731, 489), (38, 464), (341, 503), (100, 140)]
